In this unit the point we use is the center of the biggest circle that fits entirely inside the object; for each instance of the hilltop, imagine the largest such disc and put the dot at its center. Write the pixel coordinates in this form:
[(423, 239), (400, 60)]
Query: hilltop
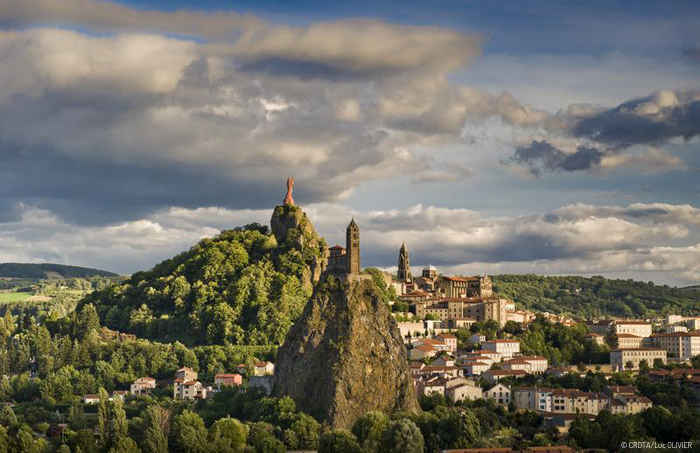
[(245, 286), (45, 271), (592, 297)]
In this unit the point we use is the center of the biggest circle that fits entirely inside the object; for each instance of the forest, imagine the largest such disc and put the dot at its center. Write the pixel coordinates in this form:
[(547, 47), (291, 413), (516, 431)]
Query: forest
[(595, 297), (28, 271)]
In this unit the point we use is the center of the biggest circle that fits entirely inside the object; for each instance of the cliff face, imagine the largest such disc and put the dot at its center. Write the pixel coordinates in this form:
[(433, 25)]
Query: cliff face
[(344, 356), (293, 230)]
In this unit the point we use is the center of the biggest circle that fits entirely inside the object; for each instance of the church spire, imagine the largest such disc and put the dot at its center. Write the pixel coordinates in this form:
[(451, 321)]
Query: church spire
[(404, 272)]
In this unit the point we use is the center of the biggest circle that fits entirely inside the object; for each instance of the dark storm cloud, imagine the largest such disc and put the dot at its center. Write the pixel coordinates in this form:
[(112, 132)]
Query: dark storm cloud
[(541, 155), (602, 133), (650, 120)]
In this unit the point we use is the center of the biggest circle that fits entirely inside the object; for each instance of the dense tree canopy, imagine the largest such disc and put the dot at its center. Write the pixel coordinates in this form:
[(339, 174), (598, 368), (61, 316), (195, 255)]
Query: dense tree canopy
[(596, 296), (239, 288)]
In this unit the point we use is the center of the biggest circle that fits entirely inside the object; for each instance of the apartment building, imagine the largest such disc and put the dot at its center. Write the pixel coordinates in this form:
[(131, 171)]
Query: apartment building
[(619, 358), (682, 345)]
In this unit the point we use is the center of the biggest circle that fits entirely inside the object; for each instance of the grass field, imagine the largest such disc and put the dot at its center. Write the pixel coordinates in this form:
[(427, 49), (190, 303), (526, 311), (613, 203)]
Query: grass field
[(13, 297)]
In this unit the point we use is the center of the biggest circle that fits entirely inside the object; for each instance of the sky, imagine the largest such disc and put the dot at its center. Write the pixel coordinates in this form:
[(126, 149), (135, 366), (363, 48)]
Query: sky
[(491, 137)]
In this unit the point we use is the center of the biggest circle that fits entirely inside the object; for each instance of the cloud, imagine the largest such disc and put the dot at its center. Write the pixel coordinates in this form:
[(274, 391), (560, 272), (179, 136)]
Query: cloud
[(625, 136), (650, 241), (692, 52), (541, 155)]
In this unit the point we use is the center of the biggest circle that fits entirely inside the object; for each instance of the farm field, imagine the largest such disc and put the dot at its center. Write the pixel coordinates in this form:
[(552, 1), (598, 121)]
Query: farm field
[(14, 297)]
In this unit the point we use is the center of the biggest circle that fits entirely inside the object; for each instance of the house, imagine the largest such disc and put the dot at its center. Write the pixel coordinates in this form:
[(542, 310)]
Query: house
[(189, 390), (529, 364), (596, 338), (432, 342), (228, 379), (476, 338), (499, 393), (449, 339), (466, 391), (600, 327), (422, 352), (429, 387), (186, 374), (444, 361), (474, 368), (507, 348), (263, 369), (493, 376), (443, 371), (91, 398), (143, 386), (186, 386), (620, 358), (533, 398), (416, 369), (121, 394)]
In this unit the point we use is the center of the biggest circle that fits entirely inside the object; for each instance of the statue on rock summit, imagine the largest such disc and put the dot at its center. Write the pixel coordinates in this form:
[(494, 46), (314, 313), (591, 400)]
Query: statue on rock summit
[(290, 187)]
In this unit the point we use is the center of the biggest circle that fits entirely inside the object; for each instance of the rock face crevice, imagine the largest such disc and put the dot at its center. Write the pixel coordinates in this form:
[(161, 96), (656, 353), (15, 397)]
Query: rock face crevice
[(344, 356)]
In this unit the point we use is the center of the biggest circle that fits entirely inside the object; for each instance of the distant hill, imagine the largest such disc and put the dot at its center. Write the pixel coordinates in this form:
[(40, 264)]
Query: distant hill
[(592, 297), (43, 271)]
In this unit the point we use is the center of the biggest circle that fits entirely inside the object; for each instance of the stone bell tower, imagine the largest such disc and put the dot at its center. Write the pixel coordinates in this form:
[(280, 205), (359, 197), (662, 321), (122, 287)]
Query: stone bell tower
[(352, 237), (404, 273)]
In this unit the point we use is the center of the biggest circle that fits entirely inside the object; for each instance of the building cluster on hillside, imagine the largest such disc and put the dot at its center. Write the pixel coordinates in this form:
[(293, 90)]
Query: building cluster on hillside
[(187, 386), (453, 299)]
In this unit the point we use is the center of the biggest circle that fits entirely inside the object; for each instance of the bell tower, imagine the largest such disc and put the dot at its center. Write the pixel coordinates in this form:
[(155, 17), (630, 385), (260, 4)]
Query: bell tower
[(352, 237), (404, 273)]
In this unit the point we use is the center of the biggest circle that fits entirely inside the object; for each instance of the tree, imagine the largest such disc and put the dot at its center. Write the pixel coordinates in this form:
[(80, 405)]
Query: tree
[(369, 430), (629, 365), (120, 425), (76, 417), (403, 436), (226, 435), (644, 366), (7, 416), (103, 422), (611, 339), (305, 430), (156, 433), (89, 321), (189, 433), (125, 445), (338, 441)]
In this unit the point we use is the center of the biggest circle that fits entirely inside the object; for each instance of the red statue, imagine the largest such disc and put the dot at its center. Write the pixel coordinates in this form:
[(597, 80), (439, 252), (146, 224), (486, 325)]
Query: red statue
[(290, 186)]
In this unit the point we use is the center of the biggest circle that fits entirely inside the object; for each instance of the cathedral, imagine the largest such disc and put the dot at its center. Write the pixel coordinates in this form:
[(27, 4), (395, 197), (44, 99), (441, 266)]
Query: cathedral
[(346, 260)]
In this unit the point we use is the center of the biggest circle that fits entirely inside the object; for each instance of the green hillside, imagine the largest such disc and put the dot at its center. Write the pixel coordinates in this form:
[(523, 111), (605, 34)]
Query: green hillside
[(597, 296), (28, 271), (243, 287)]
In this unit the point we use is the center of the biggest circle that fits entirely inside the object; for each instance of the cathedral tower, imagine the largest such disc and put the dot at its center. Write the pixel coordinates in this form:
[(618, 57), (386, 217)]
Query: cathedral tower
[(404, 273), (352, 236)]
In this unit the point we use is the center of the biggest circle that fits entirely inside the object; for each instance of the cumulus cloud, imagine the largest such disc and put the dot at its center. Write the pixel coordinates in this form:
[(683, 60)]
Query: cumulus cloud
[(657, 241)]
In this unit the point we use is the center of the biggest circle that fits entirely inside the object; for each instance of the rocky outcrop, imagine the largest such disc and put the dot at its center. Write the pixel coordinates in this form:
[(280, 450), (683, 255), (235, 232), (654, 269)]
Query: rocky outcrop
[(344, 356), (293, 229)]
